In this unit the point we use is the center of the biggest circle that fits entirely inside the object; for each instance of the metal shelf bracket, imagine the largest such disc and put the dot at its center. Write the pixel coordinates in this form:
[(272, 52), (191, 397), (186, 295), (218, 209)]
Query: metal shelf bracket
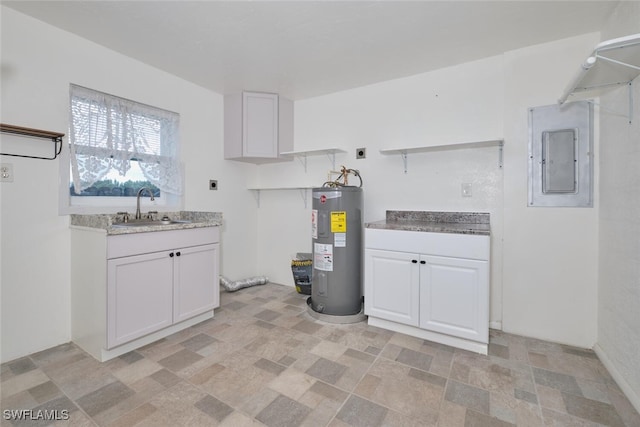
[(55, 137), (405, 157), (304, 195), (303, 160), (332, 159)]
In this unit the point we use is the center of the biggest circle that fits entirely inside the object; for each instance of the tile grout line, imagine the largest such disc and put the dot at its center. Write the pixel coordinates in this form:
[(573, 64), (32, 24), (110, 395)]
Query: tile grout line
[(351, 393), (62, 391)]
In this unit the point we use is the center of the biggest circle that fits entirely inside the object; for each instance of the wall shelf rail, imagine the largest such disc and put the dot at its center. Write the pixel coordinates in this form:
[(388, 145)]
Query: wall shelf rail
[(55, 137), (302, 189), (302, 155), (404, 152), (613, 63)]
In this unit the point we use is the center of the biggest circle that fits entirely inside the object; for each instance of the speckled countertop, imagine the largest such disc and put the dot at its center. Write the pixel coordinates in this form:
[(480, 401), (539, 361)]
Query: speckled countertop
[(435, 222), (110, 222)]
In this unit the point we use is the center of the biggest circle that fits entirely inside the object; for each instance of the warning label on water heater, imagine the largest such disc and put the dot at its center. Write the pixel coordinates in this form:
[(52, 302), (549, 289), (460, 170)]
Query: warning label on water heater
[(339, 222), (314, 223), (323, 257)]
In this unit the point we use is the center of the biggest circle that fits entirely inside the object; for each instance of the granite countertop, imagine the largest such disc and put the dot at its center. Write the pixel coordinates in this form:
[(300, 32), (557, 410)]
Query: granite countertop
[(435, 222), (111, 222)]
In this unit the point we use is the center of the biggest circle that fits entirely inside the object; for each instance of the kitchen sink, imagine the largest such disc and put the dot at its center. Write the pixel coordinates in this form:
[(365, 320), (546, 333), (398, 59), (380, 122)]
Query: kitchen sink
[(150, 223)]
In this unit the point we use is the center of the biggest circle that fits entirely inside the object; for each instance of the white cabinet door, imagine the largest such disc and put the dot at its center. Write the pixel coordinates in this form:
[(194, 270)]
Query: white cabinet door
[(139, 296), (260, 125), (257, 127), (196, 282), (454, 297), (392, 286)]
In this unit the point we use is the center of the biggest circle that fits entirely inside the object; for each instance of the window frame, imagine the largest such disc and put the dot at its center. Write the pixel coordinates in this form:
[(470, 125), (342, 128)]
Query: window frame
[(105, 204), (69, 204)]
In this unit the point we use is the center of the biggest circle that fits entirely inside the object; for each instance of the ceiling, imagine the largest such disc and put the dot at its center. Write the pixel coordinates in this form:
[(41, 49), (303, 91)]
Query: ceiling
[(304, 49)]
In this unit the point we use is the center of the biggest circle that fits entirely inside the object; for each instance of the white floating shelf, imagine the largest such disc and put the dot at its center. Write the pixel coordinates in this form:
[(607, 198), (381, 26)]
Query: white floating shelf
[(613, 63), (442, 147), (302, 155), (313, 152), (301, 188), (404, 152), (296, 187)]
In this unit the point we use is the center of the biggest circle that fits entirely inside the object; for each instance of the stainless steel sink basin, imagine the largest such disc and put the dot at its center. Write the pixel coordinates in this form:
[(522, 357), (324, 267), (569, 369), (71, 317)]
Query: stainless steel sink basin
[(150, 223)]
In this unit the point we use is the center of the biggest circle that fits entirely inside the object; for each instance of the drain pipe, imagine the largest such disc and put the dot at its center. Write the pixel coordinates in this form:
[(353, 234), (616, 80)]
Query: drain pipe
[(232, 286)]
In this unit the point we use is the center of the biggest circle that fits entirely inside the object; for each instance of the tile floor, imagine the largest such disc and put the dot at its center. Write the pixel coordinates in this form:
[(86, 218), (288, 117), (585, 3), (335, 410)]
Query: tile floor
[(264, 361)]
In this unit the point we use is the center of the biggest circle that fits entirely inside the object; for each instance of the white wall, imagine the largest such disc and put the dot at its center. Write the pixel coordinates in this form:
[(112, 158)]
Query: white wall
[(550, 254), (619, 275), (544, 275), (463, 103), (544, 265), (38, 63)]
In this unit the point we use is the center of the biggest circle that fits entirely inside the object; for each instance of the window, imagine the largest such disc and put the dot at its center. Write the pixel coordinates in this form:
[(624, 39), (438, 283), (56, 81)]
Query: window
[(116, 147)]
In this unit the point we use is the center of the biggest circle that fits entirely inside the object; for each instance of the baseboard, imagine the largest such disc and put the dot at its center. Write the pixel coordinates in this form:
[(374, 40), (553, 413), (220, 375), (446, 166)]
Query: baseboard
[(497, 324), (618, 377), (463, 343), (105, 355)]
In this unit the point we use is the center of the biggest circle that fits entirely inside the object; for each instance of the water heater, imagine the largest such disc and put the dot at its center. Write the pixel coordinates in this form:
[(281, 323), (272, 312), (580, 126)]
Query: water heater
[(336, 287)]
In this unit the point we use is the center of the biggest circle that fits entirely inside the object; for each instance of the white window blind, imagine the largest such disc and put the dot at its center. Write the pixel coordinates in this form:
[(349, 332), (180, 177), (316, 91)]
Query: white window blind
[(108, 132)]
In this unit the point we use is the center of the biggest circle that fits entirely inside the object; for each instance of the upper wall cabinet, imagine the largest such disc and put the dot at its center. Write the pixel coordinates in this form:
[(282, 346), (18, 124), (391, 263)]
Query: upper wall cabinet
[(257, 127)]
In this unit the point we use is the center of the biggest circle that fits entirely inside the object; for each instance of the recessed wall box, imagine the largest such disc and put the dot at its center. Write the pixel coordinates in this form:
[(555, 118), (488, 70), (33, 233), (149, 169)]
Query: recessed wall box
[(561, 155)]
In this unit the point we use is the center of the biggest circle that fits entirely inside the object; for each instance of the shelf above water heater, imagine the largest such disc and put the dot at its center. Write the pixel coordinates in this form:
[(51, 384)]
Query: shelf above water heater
[(302, 189), (302, 155)]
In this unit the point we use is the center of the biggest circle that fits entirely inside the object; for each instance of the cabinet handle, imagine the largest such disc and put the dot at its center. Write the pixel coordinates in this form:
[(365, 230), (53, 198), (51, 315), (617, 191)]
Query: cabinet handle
[(171, 255), (178, 253), (423, 262), (415, 261)]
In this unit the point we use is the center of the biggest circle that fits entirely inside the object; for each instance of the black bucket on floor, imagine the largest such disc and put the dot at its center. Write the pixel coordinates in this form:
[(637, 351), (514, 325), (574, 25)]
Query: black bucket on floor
[(302, 270)]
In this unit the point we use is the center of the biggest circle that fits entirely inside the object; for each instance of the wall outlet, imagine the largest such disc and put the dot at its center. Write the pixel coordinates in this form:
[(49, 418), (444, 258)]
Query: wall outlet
[(213, 184), (6, 172), (466, 190), (361, 153)]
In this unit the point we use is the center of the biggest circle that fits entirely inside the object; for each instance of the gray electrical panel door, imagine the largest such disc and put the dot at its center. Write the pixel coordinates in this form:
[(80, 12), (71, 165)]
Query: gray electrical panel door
[(559, 171), (561, 155)]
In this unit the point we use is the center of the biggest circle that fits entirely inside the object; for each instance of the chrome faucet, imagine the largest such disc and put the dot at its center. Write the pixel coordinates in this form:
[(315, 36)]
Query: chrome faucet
[(138, 214)]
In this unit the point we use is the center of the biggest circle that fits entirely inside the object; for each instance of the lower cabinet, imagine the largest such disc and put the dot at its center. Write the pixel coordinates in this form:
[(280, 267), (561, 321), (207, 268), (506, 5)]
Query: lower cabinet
[(139, 296), (431, 285), (193, 274), (392, 286), (146, 293), (132, 289), (454, 296)]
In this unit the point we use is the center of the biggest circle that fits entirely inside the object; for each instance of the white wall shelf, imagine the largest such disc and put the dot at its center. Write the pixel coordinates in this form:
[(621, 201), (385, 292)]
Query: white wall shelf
[(404, 152), (302, 155), (613, 63), (302, 189)]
